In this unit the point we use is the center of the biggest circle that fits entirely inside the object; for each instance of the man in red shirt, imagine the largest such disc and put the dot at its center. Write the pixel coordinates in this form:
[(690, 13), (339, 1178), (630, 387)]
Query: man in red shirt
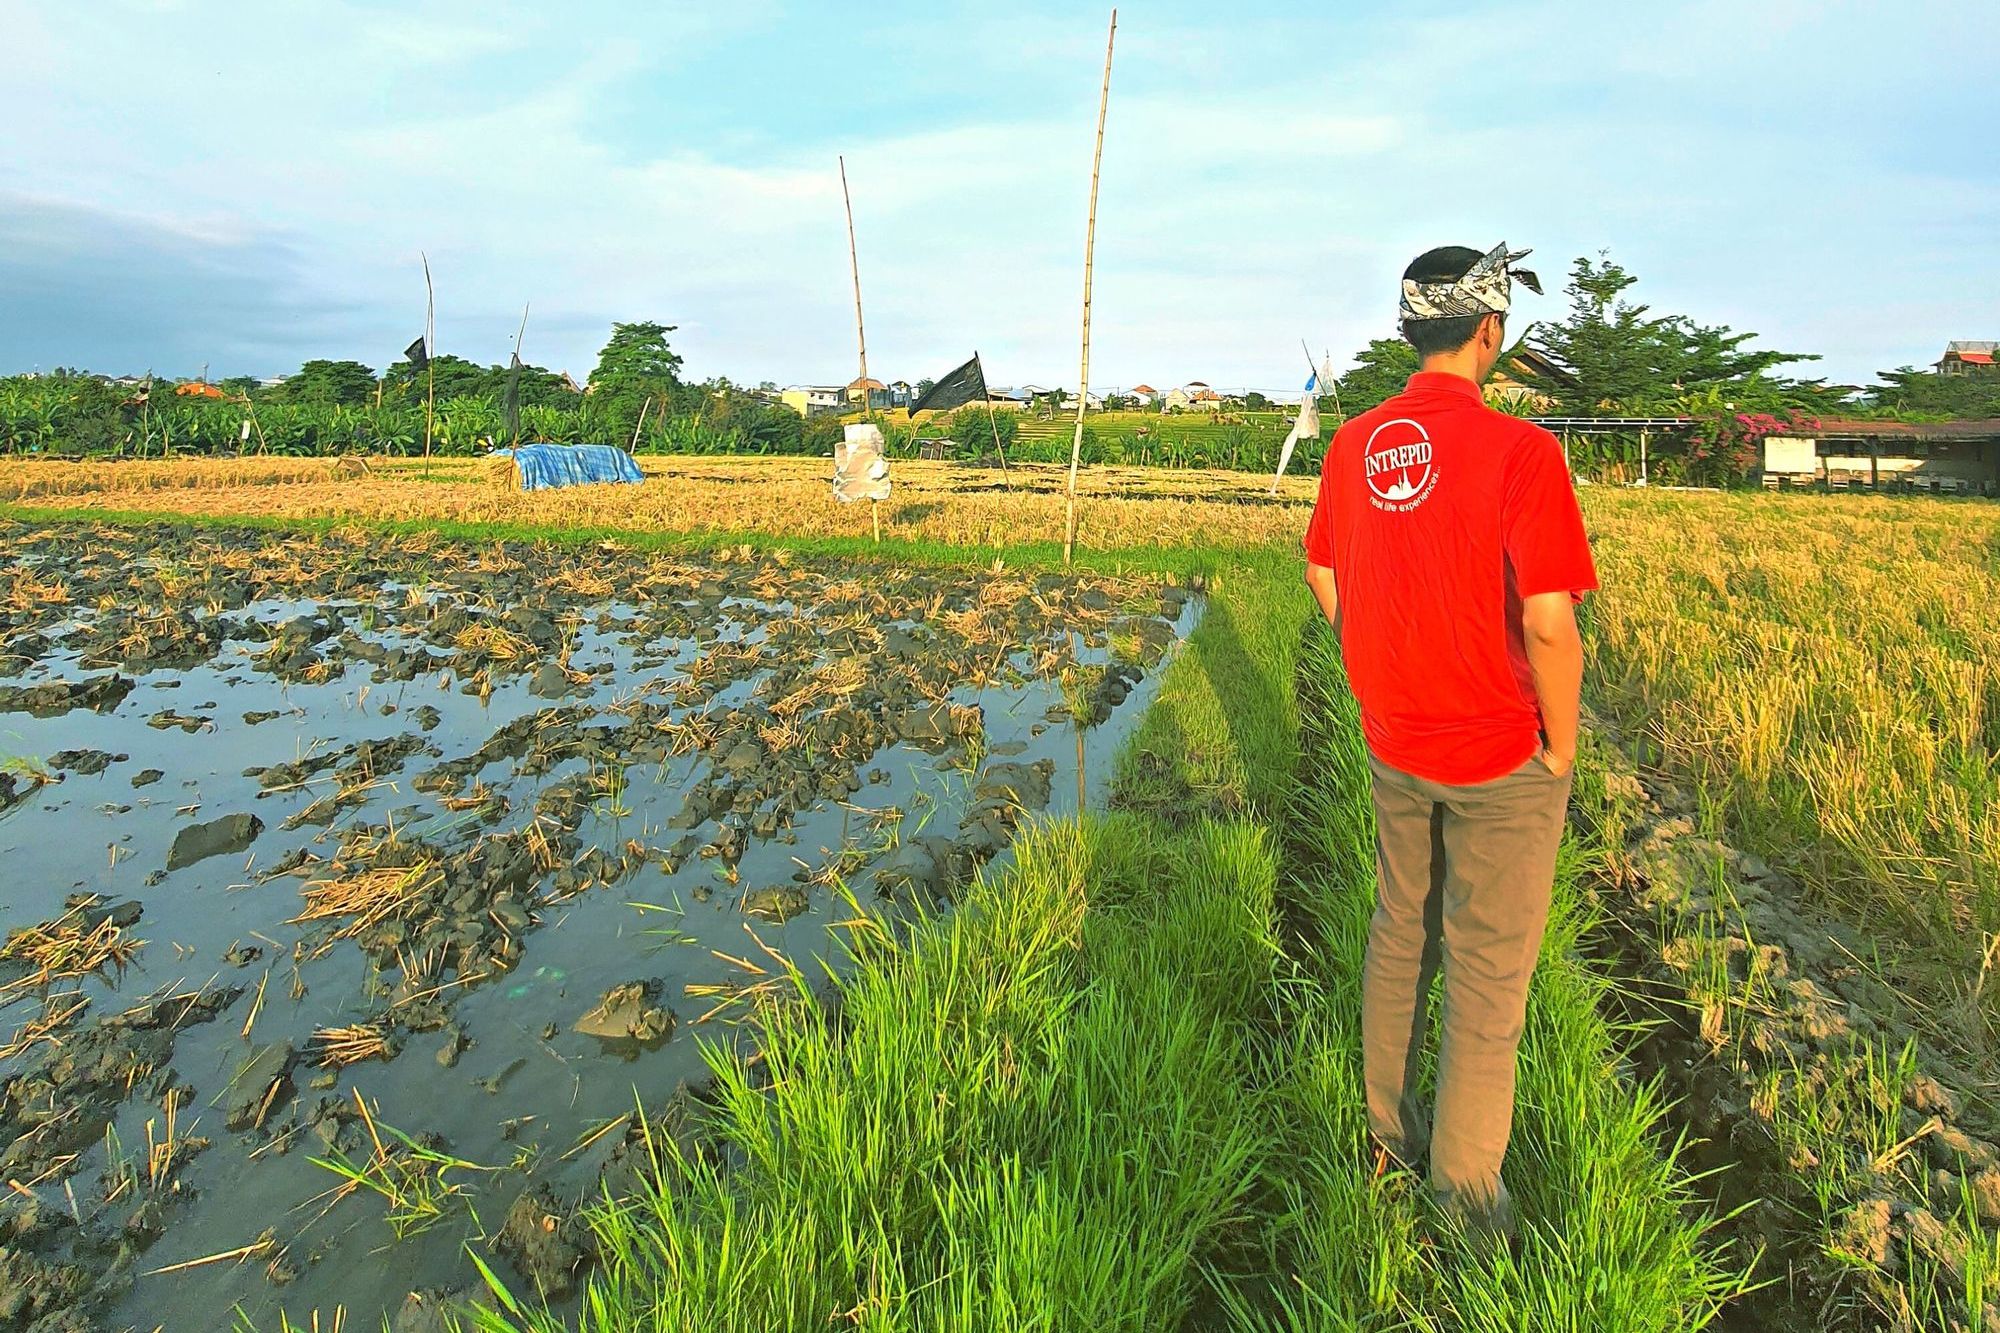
[(1447, 551)]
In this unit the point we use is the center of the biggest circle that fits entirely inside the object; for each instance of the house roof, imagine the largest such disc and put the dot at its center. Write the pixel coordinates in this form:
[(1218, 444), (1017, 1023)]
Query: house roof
[(1962, 346), (866, 384), (1976, 358), (1528, 364), (1144, 388), (1987, 429)]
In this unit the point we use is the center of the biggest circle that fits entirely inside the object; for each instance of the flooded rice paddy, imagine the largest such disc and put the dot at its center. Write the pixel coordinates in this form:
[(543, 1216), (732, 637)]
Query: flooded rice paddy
[(360, 894)]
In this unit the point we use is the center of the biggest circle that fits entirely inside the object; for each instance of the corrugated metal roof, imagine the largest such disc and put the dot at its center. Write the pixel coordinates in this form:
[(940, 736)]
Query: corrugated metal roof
[(1986, 429)]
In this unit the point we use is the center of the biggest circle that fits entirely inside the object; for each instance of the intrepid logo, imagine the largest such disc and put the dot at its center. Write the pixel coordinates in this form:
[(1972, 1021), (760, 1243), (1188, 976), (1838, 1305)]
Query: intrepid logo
[(1396, 463)]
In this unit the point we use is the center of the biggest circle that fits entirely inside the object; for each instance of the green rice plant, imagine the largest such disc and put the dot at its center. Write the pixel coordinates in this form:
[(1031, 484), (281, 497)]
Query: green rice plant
[(1036, 1114), (608, 783), (412, 1178), (664, 936), (1079, 686)]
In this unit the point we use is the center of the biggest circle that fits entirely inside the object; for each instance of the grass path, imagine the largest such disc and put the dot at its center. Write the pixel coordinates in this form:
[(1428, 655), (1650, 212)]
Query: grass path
[(1610, 1241)]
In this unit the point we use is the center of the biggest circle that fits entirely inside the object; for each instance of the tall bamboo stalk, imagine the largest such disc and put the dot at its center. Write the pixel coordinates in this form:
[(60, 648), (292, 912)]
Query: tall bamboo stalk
[(514, 374), (860, 333), (993, 423), (642, 423), (1089, 256), (430, 360), (854, 265)]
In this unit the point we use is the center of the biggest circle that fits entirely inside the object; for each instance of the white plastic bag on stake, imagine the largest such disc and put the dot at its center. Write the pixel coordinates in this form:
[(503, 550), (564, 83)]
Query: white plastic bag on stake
[(860, 468)]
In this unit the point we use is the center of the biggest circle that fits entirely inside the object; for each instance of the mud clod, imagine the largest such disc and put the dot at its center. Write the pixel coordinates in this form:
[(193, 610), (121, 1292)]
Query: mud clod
[(100, 694), (546, 1240), (218, 837), (263, 1086), (780, 903), (628, 1013)]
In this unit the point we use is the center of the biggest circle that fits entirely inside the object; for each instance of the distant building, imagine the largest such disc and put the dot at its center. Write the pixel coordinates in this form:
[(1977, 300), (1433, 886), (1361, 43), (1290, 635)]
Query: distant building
[(1968, 358), (1194, 396), (811, 400), (874, 393), (1144, 394), (1529, 378), (1952, 457), (198, 389), (1092, 402)]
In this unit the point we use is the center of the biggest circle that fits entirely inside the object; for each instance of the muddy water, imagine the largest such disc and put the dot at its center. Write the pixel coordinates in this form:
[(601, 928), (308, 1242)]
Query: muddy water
[(719, 745)]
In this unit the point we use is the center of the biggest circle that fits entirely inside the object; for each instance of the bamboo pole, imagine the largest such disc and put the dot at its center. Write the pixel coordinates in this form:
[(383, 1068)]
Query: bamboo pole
[(854, 265), (1089, 257), (861, 336), (642, 423), (514, 372), (146, 419), (1006, 476), (430, 360), (993, 423)]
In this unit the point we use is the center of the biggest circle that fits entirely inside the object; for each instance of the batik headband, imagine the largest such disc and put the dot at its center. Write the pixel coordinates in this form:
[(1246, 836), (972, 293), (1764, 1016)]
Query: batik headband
[(1486, 288)]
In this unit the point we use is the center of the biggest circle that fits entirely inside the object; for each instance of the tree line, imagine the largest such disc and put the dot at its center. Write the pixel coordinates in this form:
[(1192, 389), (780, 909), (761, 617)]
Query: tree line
[(1609, 356)]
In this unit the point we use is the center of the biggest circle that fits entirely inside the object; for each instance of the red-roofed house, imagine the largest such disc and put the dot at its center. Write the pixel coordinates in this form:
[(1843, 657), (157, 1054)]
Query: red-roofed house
[(1962, 358)]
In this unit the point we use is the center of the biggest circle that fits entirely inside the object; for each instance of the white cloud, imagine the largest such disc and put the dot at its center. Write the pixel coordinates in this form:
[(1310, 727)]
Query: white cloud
[(1258, 184)]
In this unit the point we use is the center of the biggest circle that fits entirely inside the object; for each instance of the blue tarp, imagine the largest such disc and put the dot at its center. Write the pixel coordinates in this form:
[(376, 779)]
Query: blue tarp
[(547, 465)]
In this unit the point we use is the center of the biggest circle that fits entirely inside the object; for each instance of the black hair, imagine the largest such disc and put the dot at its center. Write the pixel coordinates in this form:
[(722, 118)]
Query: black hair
[(1434, 337)]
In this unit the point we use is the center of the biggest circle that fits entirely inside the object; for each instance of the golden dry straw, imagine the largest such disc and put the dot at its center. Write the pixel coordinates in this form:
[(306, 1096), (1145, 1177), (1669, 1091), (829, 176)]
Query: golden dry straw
[(503, 472), (57, 1014), (67, 947), (336, 1048), (367, 897)]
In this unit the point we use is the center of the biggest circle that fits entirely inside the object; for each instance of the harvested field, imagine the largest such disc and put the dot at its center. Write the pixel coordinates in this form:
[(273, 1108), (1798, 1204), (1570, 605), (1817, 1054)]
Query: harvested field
[(933, 502), (191, 474), (426, 862), (1826, 675)]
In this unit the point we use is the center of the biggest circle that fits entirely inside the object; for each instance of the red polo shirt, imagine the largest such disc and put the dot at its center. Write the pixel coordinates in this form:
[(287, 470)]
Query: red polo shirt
[(1437, 516)]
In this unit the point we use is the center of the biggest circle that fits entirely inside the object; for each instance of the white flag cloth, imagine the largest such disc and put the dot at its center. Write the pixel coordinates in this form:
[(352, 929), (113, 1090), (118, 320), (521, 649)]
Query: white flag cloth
[(860, 472), (1305, 428)]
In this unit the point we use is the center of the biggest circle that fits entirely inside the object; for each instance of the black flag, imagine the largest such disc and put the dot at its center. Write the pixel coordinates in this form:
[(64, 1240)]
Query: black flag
[(512, 400), (417, 354), (963, 385)]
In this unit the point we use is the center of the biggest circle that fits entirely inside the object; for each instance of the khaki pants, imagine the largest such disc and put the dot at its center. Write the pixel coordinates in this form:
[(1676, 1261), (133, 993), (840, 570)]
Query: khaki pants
[(1464, 880)]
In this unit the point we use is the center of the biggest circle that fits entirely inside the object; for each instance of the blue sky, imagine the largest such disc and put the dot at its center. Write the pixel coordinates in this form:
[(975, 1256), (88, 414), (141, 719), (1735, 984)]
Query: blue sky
[(249, 185)]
